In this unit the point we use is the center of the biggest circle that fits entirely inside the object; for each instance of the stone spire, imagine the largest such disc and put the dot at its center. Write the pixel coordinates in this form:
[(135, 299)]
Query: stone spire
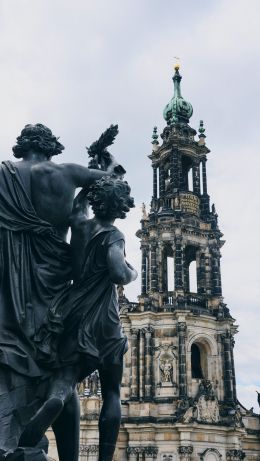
[(177, 110)]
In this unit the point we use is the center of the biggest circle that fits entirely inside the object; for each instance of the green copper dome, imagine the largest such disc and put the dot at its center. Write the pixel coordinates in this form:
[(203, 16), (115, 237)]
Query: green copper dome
[(177, 110)]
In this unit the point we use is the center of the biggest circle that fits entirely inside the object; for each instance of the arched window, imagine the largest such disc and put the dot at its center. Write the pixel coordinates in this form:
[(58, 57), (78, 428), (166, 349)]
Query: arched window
[(196, 364)]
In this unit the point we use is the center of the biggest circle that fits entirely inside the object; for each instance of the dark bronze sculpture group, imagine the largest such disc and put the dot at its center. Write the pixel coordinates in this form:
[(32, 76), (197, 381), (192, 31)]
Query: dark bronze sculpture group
[(59, 316)]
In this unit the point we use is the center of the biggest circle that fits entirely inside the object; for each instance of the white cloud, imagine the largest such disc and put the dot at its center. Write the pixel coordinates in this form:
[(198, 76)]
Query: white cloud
[(79, 68)]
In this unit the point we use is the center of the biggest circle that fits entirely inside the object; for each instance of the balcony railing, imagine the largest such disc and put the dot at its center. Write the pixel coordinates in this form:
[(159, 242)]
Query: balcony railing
[(190, 301)]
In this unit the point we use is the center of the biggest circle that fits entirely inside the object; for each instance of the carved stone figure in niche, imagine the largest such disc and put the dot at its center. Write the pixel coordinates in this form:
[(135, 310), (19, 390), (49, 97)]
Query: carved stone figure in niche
[(36, 197), (81, 387), (238, 420), (166, 361), (166, 370)]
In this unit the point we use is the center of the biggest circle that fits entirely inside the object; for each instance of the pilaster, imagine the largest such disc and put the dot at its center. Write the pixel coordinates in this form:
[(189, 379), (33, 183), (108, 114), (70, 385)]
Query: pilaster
[(134, 364), (181, 329)]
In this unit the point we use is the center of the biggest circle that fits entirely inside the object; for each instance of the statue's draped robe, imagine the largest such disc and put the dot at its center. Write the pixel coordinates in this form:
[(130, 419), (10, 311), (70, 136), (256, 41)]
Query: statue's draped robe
[(86, 316), (34, 267)]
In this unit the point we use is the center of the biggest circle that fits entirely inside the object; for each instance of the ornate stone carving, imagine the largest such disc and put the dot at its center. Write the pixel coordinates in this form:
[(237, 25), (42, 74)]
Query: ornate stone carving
[(150, 451), (214, 451), (93, 449), (238, 420), (207, 403), (204, 407), (235, 455), (185, 452), (166, 358), (166, 371), (134, 331), (182, 327)]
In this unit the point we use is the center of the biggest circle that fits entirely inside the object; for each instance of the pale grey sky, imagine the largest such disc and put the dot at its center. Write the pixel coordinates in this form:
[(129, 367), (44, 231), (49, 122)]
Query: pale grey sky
[(80, 66)]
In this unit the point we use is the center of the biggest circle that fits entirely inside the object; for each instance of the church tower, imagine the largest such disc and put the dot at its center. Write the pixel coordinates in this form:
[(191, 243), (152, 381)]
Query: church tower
[(179, 399), (179, 390)]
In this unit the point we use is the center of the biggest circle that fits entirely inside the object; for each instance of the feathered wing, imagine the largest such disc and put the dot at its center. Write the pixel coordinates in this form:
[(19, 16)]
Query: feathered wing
[(98, 148)]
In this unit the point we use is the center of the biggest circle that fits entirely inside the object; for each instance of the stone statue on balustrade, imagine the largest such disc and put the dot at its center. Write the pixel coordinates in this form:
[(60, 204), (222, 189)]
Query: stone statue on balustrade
[(40, 309)]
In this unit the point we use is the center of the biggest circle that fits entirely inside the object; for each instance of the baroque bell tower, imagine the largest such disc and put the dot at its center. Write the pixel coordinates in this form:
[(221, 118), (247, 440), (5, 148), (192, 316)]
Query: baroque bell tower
[(179, 389), (179, 399)]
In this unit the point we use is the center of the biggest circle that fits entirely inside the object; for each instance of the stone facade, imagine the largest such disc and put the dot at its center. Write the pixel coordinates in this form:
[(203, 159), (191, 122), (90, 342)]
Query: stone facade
[(179, 390)]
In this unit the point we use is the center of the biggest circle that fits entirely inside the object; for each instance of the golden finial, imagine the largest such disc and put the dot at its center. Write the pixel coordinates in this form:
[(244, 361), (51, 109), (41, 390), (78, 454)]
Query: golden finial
[(177, 63)]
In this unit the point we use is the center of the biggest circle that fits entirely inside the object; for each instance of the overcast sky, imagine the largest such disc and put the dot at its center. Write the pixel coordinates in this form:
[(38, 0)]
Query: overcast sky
[(80, 66)]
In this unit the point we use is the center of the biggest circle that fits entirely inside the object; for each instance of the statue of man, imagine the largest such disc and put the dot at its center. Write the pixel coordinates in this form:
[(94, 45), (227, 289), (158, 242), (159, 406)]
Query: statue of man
[(36, 198), (84, 331)]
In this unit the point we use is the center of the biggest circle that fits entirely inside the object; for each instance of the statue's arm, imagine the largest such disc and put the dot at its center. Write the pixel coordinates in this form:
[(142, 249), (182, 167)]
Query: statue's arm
[(82, 176), (120, 271)]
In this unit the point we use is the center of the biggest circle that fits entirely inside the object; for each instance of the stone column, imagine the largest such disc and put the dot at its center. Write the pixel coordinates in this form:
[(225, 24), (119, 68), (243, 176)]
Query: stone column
[(134, 365), (161, 181), (148, 363), (175, 169), (201, 274), (186, 277), (141, 365), (154, 274), (208, 278), (144, 270), (185, 452), (178, 263), (150, 453), (132, 453), (204, 176), (182, 359), (235, 455), (154, 182), (148, 269), (215, 271), (232, 341), (196, 178), (228, 373), (164, 272)]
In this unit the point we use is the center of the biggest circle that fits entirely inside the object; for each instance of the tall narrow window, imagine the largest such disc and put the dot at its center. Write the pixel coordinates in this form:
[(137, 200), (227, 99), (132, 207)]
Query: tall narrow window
[(190, 180), (170, 273), (196, 369), (193, 277)]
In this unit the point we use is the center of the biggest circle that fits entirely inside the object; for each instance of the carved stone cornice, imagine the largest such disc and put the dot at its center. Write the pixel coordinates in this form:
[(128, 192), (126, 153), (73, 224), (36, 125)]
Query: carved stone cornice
[(93, 449), (235, 455), (150, 451)]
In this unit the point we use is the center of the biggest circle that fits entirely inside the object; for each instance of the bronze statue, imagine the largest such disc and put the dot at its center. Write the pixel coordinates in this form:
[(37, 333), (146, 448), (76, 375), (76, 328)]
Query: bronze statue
[(83, 332), (36, 199)]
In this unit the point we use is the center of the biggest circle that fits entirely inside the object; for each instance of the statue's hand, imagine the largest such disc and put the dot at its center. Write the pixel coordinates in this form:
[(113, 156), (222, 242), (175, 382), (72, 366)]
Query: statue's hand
[(112, 167)]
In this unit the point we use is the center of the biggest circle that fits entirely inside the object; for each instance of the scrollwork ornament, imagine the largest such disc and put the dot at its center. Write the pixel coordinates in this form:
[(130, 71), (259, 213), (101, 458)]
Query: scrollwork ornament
[(235, 455), (185, 452), (182, 327), (151, 451), (134, 331), (93, 449)]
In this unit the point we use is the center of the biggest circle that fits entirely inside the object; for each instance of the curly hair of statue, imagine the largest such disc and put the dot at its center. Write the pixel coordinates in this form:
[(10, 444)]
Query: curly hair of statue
[(110, 198), (38, 138)]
